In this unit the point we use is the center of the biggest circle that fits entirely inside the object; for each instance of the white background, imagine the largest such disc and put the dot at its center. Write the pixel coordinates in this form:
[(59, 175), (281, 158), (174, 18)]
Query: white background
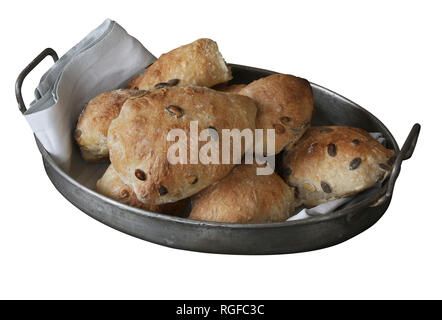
[(386, 56)]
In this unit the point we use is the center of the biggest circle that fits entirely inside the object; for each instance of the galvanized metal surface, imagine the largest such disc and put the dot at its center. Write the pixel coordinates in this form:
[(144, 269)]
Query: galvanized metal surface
[(270, 238)]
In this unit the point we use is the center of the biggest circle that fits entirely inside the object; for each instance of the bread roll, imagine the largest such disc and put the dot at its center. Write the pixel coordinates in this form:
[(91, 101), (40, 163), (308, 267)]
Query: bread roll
[(334, 162), (244, 197), (285, 103), (138, 143), (198, 63), (94, 121), (111, 186)]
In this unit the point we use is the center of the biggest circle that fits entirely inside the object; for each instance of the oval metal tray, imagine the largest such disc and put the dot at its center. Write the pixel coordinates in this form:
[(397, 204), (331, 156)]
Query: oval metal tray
[(269, 238)]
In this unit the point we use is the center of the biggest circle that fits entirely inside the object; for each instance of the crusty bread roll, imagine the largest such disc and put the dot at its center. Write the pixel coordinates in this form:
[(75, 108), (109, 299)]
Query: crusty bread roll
[(110, 185), (233, 88), (94, 121), (334, 162), (285, 103), (138, 144), (198, 63), (244, 197)]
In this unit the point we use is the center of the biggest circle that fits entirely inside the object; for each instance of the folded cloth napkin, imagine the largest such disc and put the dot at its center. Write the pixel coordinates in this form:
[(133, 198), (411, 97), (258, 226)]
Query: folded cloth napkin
[(104, 60), (331, 206)]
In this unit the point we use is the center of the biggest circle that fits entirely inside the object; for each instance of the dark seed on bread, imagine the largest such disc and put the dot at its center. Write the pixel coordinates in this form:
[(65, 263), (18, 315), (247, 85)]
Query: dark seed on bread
[(140, 174), (326, 187), (331, 149), (354, 164)]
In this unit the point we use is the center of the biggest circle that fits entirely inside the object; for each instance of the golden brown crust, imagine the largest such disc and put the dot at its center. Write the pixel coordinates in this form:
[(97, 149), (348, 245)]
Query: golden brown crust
[(333, 162), (198, 63), (285, 103), (233, 88), (94, 121), (138, 150), (110, 185), (244, 197)]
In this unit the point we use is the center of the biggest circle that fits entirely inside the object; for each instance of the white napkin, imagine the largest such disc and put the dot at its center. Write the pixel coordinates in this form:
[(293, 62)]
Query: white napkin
[(104, 60)]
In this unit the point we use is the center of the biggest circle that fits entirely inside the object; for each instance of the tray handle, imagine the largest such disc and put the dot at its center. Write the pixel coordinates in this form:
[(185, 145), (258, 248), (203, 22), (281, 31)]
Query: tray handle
[(21, 77), (386, 191), (405, 154)]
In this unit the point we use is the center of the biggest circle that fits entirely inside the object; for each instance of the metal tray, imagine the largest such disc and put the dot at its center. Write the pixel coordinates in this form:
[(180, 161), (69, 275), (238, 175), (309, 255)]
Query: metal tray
[(268, 238)]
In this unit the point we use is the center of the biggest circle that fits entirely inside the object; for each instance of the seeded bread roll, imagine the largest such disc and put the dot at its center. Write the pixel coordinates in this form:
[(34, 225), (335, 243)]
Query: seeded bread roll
[(111, 186), (233, 88), (244, 197), (94, 121), (138, 143), (334, 162), (285, 103), (198, 63)]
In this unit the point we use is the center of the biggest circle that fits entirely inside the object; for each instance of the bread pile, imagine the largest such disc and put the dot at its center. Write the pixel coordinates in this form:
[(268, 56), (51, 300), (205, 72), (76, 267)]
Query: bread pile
[(131, 127)]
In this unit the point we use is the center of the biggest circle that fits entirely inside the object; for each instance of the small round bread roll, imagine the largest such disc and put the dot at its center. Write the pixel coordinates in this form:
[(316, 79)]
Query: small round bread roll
[(244, 197), (233, 88), (198, 63), (285, 104), (334, 162), (139, 148), (94, 121), (111, 186)]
